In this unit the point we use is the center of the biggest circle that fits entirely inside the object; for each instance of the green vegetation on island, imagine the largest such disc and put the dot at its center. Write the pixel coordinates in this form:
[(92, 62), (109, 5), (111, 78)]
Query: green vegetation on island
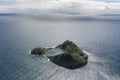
[(72, 57)]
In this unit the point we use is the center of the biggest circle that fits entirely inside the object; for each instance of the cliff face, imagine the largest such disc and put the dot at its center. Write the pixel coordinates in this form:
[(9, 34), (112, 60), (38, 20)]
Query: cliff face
[(72, 56)]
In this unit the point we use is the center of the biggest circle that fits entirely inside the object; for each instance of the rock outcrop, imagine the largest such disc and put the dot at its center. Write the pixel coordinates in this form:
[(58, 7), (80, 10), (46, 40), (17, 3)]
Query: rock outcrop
[(39, 51)]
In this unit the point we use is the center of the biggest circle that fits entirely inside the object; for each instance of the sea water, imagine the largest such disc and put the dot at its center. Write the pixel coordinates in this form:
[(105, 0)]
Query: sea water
[(19, 34)]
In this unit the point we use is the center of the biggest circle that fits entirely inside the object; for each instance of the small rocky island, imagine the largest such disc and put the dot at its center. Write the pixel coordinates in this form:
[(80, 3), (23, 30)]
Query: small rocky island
[(72, 57)]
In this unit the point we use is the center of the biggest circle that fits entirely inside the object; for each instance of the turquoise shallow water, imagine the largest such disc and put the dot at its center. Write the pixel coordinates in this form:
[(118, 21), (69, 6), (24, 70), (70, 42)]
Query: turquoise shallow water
[(20, 34)]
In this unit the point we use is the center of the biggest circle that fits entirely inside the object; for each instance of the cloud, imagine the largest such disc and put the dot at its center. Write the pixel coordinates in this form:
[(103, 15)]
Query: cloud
[(58, 5)]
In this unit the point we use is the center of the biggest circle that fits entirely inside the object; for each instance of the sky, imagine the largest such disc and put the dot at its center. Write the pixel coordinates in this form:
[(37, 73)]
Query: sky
[(68, 6)]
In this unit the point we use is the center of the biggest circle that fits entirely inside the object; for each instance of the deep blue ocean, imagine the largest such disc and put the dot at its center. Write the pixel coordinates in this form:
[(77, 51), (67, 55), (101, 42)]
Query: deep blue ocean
[(19, 34)]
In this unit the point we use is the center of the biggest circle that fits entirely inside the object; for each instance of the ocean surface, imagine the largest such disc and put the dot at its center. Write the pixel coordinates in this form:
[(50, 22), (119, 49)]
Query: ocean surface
[(99, 37)]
